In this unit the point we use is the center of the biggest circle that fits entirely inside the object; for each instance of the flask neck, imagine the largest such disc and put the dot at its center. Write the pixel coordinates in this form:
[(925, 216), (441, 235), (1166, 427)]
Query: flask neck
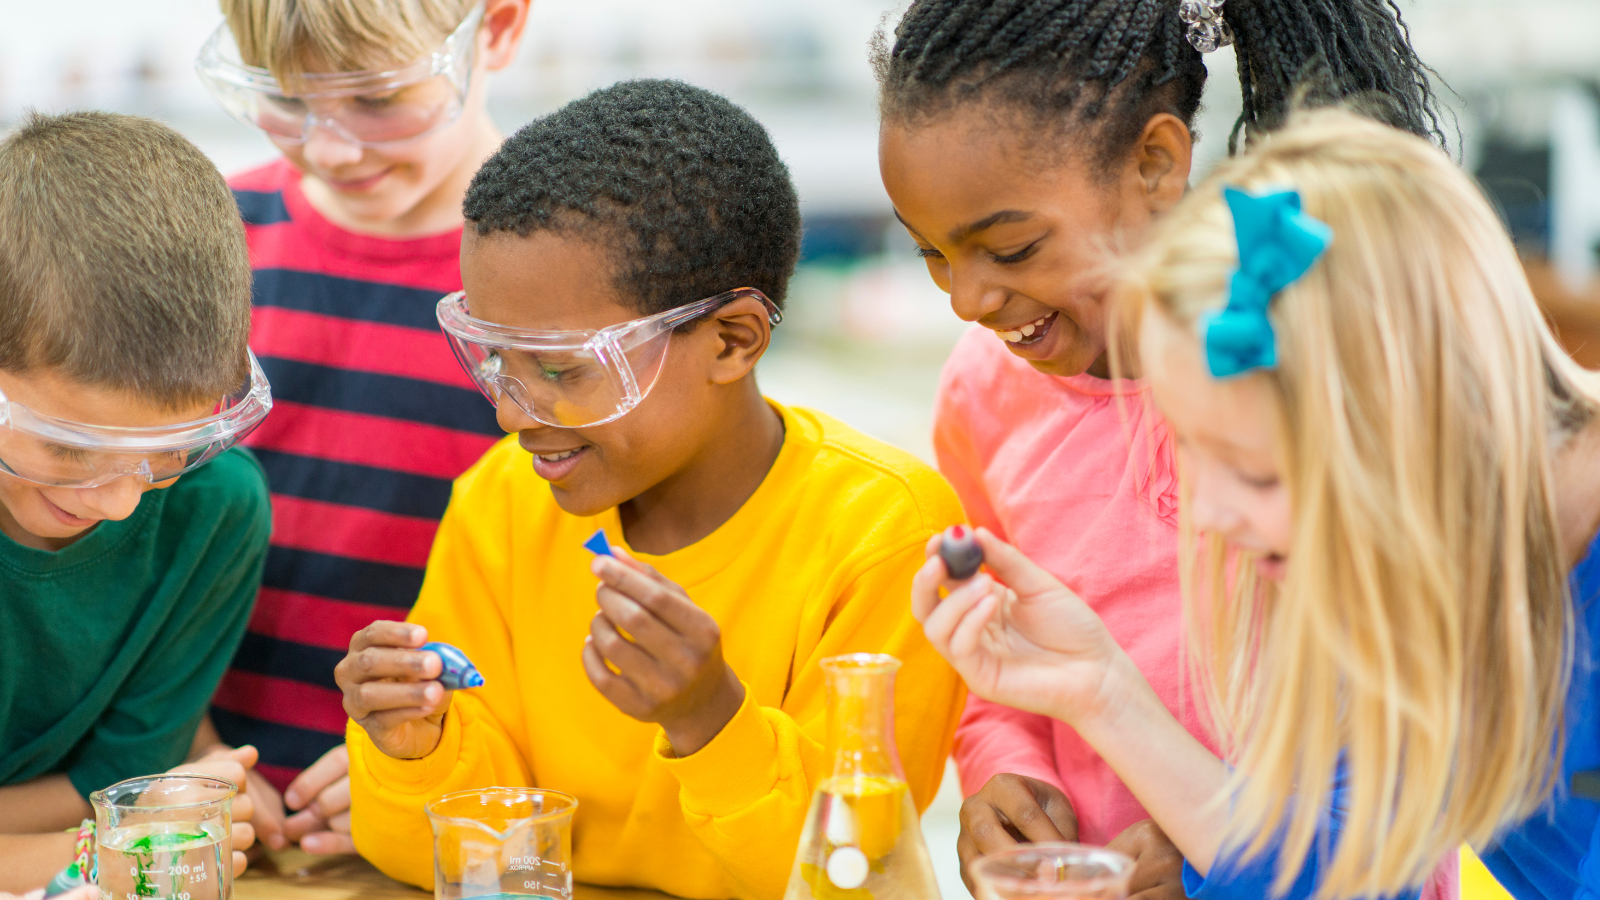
[(861, 716)]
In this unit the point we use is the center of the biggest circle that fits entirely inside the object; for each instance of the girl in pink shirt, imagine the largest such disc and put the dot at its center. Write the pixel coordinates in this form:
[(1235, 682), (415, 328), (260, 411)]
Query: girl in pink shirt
[(1020, 140)]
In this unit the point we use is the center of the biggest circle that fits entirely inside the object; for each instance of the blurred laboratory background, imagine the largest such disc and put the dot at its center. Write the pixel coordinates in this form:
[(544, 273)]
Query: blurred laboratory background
[(868, 329)]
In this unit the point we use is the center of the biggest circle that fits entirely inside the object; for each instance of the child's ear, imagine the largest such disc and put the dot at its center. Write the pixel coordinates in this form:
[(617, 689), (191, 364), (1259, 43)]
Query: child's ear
[(742, 332), (1162, 157), (503, 24)]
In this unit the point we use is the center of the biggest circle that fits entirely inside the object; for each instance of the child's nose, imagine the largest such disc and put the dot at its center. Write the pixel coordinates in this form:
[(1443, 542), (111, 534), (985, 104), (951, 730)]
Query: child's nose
[(972, 298), (115, 501), (1210, 509), (512, 419), (326, 150)]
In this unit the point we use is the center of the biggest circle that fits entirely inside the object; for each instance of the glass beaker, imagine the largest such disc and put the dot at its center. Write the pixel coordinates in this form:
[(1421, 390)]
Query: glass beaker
[(502, 842), (862, 839), (165, 836), (1053, 871)]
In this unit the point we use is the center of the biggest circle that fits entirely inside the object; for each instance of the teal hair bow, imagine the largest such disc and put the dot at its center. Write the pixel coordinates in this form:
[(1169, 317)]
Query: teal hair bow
[(1277, 244)]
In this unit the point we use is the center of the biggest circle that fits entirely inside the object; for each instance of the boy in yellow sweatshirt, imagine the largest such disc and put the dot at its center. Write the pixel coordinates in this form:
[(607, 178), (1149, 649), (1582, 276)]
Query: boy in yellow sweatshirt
[(624, 262)]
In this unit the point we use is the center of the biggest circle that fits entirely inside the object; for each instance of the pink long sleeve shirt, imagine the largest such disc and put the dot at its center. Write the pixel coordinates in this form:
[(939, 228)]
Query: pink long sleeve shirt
[(1078, 473), (1085, 485)]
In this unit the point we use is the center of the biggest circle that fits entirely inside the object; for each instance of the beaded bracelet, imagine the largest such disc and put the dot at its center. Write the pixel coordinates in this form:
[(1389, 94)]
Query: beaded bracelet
[(80, 871)]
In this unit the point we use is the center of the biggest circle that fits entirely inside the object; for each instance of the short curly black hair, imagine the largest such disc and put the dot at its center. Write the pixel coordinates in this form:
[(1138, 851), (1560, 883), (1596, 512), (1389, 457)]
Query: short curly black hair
[(683, 186)]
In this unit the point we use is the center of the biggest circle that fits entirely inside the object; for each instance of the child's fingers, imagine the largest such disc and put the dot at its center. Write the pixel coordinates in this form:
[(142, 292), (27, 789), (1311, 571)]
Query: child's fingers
[(665, 600), (381, 696), (964, 641), (328, 843), (640, 624), (942, 622), (642, 568), (1016, 571), (333, 800), (931, 548), (379, 723), (925, 588), (245, 755), (244, 835), (331, 768), (627, 656), (389, 634), (615, 688), (384, 663), (302, 823)]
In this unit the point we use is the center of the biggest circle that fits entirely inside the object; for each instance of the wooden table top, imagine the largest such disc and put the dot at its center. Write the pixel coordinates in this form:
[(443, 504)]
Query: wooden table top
[(294, 875)]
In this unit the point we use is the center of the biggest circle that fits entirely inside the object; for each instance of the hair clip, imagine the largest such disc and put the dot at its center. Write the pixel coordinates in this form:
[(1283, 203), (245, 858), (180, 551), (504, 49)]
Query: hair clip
[(1277, 245), (1207, 31)]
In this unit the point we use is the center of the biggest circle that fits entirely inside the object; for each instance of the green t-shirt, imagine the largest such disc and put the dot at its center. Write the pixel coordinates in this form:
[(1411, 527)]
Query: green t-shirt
[(111, 647)]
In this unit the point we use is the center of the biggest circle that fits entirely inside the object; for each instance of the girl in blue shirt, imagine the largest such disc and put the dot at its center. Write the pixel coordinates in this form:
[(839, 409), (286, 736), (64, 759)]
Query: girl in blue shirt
[(1391, 493)]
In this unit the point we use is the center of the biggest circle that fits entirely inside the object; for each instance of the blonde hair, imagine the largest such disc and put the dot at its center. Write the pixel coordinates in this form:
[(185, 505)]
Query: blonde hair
[(290, 37), (1422, 639)]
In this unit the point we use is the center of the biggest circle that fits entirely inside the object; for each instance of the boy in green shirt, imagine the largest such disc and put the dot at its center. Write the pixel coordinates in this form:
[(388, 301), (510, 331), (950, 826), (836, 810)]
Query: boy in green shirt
[(124, 590)]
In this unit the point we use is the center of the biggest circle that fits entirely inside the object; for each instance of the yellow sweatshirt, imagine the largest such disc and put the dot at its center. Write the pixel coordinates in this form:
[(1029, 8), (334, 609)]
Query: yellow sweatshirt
[(818, 562)]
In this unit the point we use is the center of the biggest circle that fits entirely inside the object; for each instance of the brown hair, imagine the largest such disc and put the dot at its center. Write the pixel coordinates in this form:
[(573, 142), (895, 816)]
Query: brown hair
[(122, 259), (290, 37)]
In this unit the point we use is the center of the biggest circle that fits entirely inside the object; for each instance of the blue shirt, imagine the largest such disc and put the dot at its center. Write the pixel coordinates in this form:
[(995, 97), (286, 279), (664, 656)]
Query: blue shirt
[(1555, 854)]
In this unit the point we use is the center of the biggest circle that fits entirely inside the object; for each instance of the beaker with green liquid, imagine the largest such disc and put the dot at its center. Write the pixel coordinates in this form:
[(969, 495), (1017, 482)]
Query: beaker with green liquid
[(862, 839), (502, 843), (167, 837)]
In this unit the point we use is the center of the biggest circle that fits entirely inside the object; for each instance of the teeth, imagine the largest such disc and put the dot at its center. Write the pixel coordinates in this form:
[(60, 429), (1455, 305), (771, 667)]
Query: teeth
[(557, 457), (1025, 331)]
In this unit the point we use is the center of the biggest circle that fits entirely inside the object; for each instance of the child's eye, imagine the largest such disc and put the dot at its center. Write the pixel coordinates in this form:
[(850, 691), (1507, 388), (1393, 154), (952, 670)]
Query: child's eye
[(929, 253), (72, 454), (377, 101), (1260, 484), (551, 373), (1018, 256)]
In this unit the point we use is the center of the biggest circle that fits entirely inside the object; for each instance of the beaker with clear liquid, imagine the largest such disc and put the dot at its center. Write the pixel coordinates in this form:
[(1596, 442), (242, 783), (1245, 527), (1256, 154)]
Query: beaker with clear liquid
[(862, 839), (1053, 871), (501, 843), (166, 837)]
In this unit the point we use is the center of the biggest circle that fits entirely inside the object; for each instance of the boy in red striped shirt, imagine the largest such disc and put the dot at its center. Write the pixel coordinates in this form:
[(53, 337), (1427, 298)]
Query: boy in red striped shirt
[(354, 236)]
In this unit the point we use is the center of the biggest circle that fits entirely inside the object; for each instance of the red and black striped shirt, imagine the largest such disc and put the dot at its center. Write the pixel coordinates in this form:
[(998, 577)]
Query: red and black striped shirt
[(372, 419)]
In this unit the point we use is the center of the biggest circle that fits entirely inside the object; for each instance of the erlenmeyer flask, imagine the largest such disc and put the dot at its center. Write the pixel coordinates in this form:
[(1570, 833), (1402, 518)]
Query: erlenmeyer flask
[(862, 840)]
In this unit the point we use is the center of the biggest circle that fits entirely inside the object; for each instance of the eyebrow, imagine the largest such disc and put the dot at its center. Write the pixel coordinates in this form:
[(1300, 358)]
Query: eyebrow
[(961, 233)]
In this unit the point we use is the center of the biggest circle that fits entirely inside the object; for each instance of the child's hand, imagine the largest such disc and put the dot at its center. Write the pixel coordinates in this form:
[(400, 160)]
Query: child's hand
[(1009, 810), (671, 671), (231, 765), (1157, 862), (1033, 645), (321, 794), (392, 690)]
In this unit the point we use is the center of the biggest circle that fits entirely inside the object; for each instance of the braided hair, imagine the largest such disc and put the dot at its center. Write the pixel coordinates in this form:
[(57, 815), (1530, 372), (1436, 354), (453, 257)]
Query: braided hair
[(1114, 64)]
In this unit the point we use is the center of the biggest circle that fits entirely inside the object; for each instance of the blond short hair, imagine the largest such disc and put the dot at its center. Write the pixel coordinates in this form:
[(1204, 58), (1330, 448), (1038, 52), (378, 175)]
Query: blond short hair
[(289, 37), (1424, 636), (122, 259)]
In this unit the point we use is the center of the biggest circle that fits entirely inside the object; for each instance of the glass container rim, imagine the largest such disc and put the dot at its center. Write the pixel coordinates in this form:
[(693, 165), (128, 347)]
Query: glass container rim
[(1120, 866), (430, 809), (102, 797), (861, 662)]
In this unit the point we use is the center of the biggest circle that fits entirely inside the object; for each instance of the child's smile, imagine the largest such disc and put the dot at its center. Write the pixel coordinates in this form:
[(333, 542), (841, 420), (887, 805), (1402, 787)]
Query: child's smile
[(553, 465)]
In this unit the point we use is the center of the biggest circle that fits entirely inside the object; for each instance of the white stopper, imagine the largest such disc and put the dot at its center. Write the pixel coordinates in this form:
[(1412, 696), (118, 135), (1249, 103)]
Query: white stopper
[(847, 867)]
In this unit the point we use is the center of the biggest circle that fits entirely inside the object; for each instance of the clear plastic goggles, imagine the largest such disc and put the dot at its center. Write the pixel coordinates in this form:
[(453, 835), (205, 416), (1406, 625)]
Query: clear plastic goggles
[(57, 453), (369, 107), (570, 379)]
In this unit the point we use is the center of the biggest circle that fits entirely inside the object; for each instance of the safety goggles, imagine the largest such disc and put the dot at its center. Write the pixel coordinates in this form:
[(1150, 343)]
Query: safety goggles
[(57, 453), (366, 108), (570, 379)]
